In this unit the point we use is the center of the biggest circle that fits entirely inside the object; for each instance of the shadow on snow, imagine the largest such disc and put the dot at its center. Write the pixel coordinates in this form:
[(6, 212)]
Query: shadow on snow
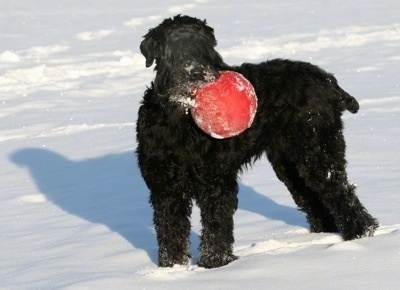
[(109, 190)]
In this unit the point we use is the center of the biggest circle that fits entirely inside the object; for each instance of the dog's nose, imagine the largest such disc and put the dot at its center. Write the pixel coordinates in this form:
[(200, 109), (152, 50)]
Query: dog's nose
[(197, 74)]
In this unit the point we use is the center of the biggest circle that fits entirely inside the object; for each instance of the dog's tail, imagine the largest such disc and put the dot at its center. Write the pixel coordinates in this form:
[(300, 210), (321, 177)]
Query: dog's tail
[(347, 102), (350, 103)]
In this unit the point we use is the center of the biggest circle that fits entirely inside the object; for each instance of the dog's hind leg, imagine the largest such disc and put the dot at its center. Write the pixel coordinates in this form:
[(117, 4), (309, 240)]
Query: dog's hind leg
[(339, 197), (217, 203), (308, 201), (322, 167)]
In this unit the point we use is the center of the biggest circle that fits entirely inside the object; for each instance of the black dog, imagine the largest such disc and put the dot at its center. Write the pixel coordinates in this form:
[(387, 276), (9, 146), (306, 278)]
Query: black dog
[(298, 126)]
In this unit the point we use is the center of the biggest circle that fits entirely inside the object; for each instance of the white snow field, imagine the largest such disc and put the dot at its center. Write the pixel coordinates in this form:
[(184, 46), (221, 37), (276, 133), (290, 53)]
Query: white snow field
[(74, 210)]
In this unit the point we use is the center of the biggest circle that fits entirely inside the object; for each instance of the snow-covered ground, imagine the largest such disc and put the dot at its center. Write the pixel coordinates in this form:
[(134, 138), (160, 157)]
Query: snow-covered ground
[(73, 206)]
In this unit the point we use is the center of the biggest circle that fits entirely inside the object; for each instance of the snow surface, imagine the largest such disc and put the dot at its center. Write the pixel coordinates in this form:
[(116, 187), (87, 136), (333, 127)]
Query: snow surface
[(74, 209)]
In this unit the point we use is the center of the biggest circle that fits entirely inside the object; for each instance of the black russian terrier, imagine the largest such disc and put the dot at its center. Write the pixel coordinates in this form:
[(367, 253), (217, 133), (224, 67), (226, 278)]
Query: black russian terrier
[(298, 126)]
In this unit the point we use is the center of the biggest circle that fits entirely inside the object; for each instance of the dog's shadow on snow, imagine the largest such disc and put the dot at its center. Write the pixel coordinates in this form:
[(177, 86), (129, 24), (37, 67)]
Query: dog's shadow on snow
[(109, 190)]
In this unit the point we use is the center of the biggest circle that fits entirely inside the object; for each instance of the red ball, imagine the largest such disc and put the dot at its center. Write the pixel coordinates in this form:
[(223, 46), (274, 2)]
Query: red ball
[(225, 107)]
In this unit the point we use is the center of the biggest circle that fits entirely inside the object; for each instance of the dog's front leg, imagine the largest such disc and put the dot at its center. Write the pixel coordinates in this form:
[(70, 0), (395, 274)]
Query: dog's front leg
[(217, 208), (172, 224)]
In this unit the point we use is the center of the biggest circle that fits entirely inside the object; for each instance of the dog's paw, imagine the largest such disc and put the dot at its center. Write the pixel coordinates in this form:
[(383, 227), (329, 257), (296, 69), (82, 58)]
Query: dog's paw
[(168, 261), (216, 261), (364, 226)]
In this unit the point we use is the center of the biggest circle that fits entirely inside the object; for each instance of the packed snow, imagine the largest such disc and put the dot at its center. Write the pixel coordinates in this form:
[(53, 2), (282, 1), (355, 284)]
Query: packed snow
[(74, 209)]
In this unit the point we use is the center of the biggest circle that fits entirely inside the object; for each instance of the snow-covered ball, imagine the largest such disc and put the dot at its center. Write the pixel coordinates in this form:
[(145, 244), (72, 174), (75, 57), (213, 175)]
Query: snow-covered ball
[(226, 106)]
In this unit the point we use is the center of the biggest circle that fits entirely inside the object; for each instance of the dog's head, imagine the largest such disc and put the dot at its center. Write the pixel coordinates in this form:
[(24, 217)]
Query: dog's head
[(183, 49)]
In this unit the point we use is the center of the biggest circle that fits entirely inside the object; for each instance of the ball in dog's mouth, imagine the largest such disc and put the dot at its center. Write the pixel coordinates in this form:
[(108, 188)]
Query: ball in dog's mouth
[(224, 107)]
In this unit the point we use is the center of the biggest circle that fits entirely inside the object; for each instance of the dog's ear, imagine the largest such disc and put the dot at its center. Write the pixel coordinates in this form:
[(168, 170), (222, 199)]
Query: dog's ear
[(148, 49), (209, 32)]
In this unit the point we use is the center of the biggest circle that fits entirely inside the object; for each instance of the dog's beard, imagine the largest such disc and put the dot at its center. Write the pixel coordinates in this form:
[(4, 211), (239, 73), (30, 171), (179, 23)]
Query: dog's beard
[(184, 96)]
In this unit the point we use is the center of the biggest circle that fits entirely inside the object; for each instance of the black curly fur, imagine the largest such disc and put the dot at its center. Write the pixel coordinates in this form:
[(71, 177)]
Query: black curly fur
[(297, 125)]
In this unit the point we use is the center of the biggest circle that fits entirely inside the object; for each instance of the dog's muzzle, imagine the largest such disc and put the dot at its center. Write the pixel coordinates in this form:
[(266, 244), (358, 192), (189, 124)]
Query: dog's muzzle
[(200, 73), (195, 76)]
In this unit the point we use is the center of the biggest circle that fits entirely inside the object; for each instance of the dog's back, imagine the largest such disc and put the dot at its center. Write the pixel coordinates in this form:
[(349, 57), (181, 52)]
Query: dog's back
[(297, 84)]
